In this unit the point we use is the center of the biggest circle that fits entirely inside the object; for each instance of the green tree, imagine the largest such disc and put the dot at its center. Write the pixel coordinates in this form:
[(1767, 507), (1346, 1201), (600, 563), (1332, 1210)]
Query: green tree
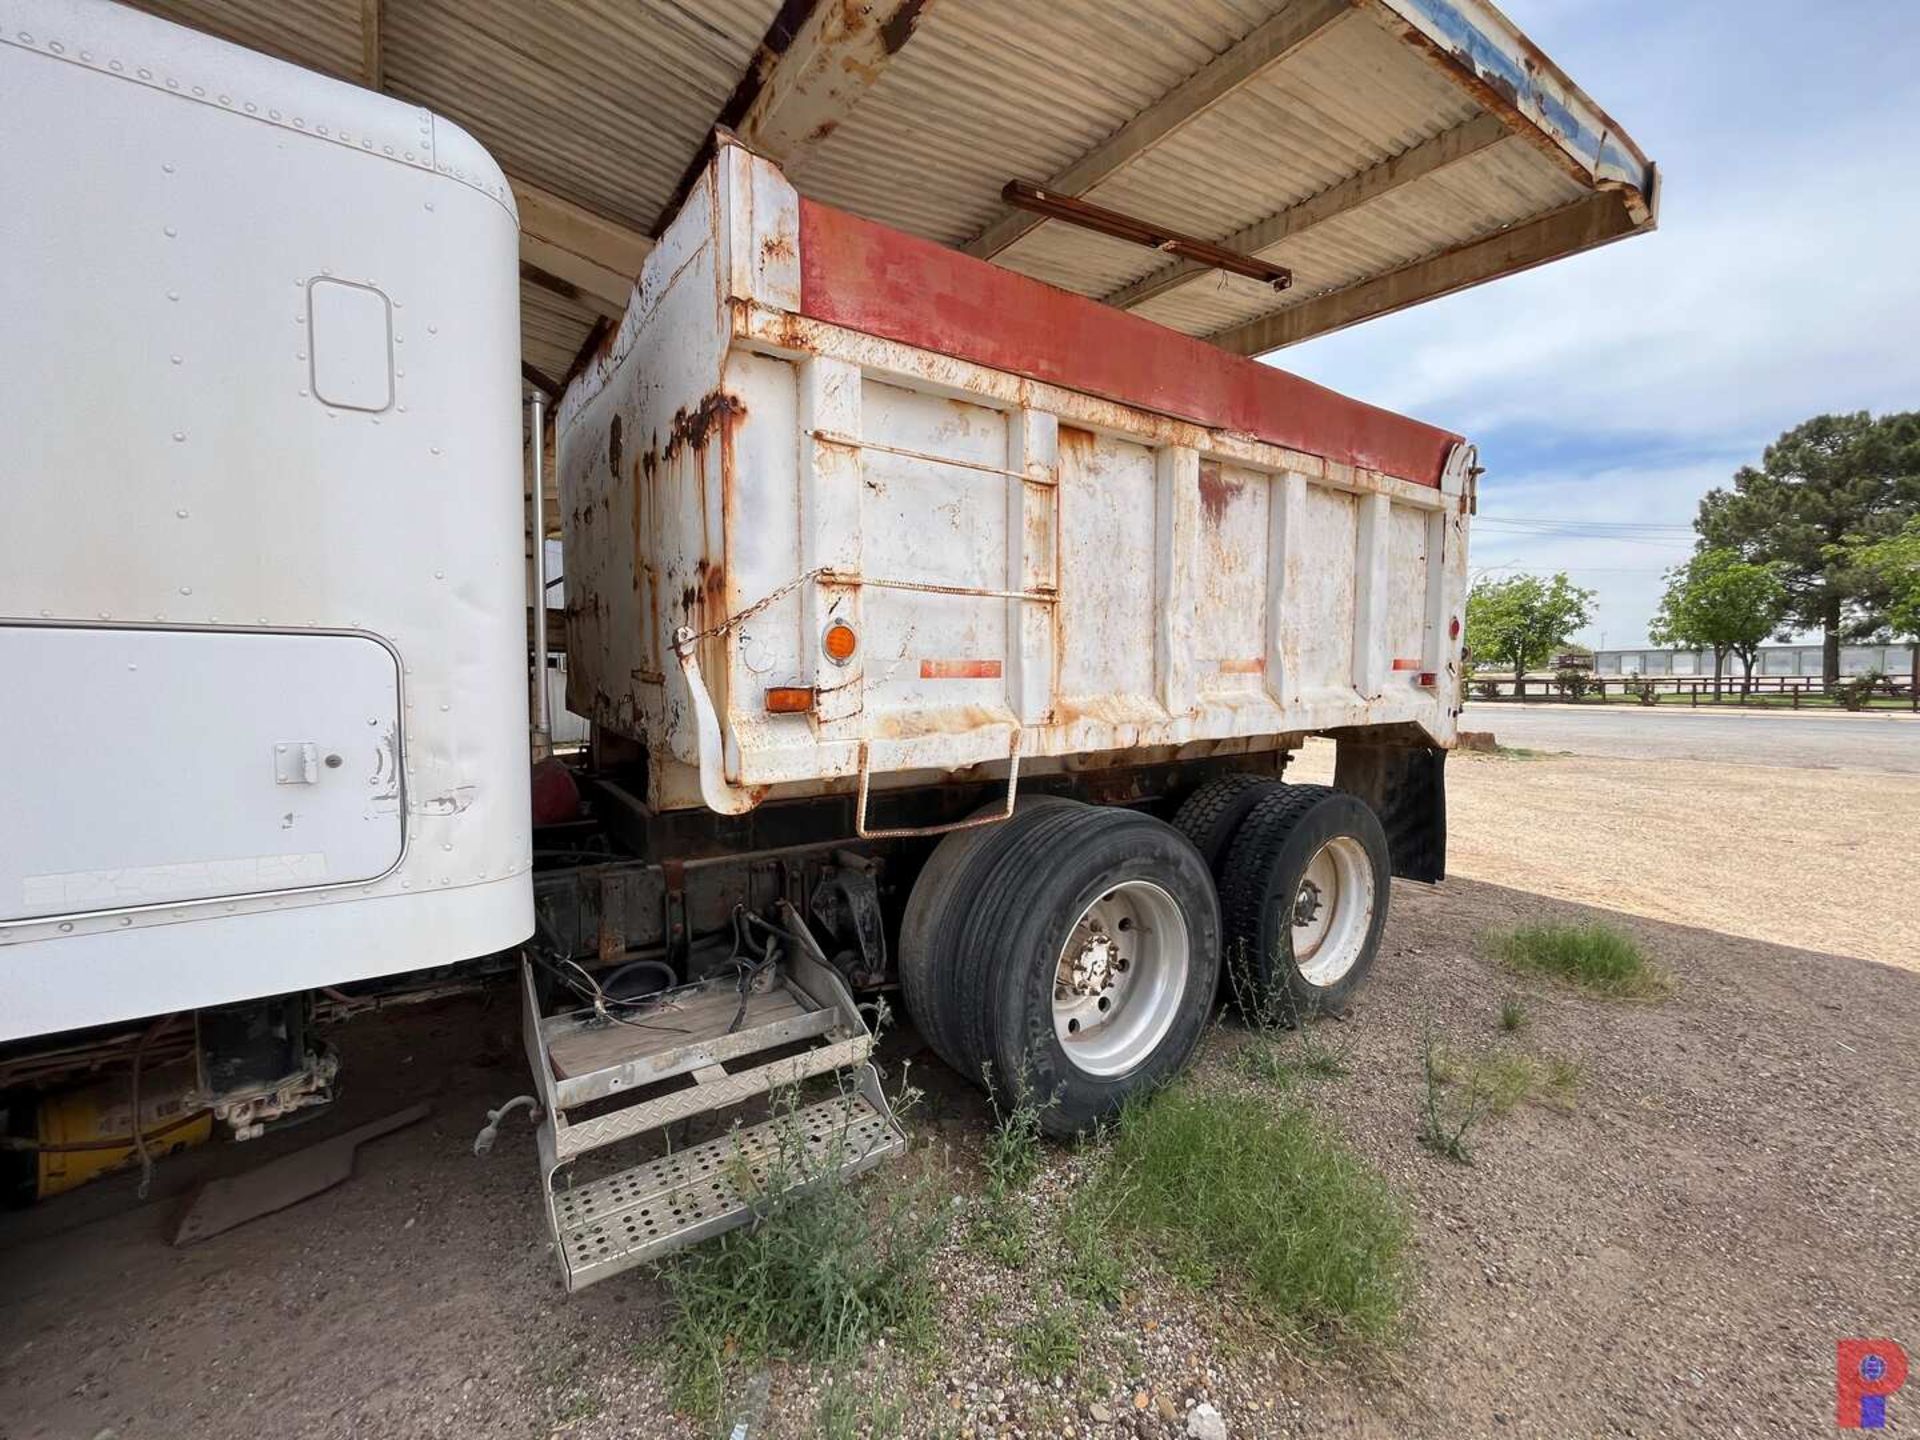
[(1823, 484), (1892, 567), (1520, 621), (1719, 602)]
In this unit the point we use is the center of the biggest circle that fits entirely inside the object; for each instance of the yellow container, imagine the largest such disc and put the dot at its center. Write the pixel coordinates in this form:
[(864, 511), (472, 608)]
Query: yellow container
[(87, 1132)]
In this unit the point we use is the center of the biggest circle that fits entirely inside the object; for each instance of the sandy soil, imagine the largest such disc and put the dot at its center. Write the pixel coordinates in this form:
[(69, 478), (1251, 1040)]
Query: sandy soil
[(1734, 1188), (1821, 859)]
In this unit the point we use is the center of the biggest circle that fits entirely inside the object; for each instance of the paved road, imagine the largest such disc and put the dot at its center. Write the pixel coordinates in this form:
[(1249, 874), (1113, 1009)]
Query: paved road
[(1833, 742)]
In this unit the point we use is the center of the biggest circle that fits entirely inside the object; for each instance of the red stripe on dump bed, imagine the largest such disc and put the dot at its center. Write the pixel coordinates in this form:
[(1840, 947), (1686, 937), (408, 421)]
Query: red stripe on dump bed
[(884, 282), (959, 669)]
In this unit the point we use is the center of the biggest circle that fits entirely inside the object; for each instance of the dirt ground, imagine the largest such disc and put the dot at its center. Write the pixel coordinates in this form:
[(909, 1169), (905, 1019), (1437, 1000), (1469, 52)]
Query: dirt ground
[(1736, 1185), (1821, 859)]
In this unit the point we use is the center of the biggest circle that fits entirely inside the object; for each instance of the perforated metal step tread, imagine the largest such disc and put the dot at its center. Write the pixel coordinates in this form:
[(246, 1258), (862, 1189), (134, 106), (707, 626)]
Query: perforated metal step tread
[(608, 1225)]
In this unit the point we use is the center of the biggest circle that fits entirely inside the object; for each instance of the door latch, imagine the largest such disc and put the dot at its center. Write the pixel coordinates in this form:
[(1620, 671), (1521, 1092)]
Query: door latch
[(296, 762)]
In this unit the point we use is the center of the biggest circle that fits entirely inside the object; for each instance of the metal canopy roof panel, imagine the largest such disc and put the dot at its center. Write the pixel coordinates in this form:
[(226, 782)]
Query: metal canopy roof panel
[(323, 35), (1346, 101), (990, 90), (552, 329), (1385, 151), (603, 104)]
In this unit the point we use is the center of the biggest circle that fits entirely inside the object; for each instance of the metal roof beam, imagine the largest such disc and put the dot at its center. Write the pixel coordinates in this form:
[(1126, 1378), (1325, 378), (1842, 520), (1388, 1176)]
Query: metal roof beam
[(816, 61), (1389, 175), (595, 257), (1603, 216), (828, 66), (1269, 45), (373, 62)]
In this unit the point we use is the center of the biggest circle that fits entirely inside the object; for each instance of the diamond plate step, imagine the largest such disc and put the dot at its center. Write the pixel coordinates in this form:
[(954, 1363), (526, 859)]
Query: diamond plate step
[(578, 1137), (612, 1224)]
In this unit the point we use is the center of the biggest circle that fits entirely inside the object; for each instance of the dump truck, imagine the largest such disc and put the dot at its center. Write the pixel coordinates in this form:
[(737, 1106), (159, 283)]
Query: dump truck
[(943, 635)]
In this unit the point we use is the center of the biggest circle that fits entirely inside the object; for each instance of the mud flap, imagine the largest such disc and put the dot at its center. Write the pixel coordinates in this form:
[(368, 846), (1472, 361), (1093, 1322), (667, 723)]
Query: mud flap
[(1407, 787)]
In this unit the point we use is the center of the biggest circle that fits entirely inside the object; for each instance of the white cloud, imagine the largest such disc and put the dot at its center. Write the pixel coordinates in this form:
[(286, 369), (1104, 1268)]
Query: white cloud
[(1622, 384)]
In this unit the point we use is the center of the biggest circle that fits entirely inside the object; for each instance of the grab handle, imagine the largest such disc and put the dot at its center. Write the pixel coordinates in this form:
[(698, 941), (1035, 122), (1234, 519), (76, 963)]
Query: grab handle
[(860, 808)]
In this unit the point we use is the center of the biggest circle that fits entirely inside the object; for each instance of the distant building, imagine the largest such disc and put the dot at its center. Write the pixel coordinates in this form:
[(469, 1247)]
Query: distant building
[(1894, 661)]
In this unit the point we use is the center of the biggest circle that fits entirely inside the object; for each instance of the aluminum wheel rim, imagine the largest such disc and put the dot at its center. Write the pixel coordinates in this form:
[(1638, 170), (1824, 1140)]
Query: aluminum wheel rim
[(1333, 911), (1120, 977)]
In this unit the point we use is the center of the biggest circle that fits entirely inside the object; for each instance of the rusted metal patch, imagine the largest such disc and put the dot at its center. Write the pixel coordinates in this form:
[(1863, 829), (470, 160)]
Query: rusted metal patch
[(691, 429), (898, 29), (1217, 493), (1256, 666)]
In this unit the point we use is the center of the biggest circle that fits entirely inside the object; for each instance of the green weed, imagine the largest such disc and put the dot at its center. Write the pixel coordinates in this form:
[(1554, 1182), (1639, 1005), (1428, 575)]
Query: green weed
[(1562, 1078), (1595, 957), (843, 1413), (1013, 1156), (1048, 1345), (1288, 1042), (1506, 1078), (1444, 1134), (1230, 1190), (1090, 1266), (821, 1274)]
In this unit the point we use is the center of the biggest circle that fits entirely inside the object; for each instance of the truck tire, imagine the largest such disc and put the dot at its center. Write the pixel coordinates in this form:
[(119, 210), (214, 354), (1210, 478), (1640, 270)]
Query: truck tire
[(934, 890), (1084, 968), (1209, 816), (1303, 900)]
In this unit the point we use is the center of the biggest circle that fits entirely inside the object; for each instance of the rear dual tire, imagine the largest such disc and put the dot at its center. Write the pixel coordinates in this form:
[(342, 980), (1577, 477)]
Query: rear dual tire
[(1071, 953), (1303, 900), (1211, 815)]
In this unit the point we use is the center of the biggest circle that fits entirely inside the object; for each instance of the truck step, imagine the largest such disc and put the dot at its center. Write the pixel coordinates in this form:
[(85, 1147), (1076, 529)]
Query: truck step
[(723, 1052), (715, 1088), (626, 1219)]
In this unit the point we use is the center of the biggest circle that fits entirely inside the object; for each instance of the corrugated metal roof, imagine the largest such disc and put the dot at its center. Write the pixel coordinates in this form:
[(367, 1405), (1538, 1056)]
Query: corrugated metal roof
[(1479, 196), (601, 103), (990, 90), (1282, 138), (319, 34), (552, 329), (607, 105)]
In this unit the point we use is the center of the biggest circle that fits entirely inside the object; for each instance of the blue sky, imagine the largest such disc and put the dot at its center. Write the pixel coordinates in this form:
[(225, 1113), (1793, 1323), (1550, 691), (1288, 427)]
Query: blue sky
[(1784, 281)]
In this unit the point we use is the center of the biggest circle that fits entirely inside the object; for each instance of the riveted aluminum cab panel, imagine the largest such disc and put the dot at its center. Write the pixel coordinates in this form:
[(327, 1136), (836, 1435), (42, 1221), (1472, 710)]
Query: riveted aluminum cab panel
[(246, 762), (182, 462)]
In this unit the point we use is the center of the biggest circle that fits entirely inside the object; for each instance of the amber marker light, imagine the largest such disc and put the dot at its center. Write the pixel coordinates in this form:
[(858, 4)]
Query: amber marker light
[(839, 642), (789, 699)]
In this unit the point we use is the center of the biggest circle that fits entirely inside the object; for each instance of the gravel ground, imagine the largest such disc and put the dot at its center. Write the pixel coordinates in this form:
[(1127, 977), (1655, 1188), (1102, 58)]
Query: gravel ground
[(1733, 1189), (1821, 859)]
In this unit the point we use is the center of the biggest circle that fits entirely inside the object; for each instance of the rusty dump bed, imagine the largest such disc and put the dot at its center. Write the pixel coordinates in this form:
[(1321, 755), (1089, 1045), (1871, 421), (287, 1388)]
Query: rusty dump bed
[(876, 280), (843, 507)]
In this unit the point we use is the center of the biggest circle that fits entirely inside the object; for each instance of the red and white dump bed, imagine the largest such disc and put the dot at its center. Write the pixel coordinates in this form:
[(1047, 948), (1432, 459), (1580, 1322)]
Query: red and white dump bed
[(1042, 528)]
